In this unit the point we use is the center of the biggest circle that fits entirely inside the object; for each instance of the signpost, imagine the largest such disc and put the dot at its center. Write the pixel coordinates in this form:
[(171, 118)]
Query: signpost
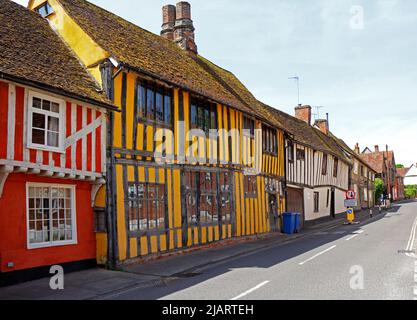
[(350, 203)]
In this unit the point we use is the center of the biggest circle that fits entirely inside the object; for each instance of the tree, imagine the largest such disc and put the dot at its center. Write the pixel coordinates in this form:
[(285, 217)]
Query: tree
[(411, 192), (379, 189), (400, 166)]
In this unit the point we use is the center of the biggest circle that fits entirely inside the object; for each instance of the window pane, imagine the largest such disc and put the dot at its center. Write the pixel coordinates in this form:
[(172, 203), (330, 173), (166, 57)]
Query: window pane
[(53, 124), (55, 107), (141, 102), (37, 103), (167, 110), (159, 107), (38, 136), (42, 11), (150, 103), (53, 139), (38, 121), (193, 115), (46, 105)]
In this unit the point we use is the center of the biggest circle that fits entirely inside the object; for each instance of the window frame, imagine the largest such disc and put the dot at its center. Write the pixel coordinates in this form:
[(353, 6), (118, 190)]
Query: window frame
[(316, 199), (61, 116), (335, 167), (142, 111), (269, 141), (47, 7), (204, 112), (324, 167), (300, 151), (50, 244)]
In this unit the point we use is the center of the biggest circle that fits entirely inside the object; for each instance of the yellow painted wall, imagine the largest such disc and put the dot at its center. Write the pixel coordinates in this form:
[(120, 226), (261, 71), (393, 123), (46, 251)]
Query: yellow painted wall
[(88, 51)]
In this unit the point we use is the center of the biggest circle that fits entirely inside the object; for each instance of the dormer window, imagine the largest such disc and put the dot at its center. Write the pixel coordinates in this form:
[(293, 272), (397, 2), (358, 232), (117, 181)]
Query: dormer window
[(44, 9)]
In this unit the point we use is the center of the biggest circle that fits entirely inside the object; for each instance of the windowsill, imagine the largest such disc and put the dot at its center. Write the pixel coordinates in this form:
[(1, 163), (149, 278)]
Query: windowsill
[(44, 148), (35, 246)]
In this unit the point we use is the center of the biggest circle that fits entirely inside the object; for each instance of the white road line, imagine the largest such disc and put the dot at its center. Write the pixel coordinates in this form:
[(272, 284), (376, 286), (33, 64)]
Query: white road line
[(317, 255), (250, 290), (410, 244), (352, 237), (356, 233)]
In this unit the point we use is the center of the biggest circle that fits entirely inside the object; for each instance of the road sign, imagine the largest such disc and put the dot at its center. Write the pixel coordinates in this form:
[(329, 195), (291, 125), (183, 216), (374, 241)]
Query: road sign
[(351, 203), (350, 195)]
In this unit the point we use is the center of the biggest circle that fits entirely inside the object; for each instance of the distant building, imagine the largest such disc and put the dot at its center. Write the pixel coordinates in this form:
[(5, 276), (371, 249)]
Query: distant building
[(410, 178), (383, 163)]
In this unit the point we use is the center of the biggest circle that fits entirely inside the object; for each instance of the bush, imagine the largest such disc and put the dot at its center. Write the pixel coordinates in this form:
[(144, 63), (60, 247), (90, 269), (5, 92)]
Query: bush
[(410, 192)]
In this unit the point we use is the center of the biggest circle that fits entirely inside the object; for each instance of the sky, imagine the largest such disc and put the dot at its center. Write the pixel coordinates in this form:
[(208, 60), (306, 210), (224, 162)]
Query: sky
[(355, 58)]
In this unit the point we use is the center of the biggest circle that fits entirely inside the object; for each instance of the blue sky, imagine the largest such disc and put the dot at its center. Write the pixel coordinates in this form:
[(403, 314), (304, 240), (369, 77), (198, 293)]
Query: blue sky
[(363, 71)]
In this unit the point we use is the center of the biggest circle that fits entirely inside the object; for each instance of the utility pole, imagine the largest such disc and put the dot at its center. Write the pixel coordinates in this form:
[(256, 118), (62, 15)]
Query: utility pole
[(297, 80)]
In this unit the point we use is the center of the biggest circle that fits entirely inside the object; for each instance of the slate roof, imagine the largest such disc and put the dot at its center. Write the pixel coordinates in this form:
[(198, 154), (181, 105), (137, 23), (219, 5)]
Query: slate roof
[(31, 53)]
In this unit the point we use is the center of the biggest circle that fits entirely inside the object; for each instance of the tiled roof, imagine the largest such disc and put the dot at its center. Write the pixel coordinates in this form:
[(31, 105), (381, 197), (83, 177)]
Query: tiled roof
[(158, 57), (402, 172), (306, 134), (376, 159), (31, 53), (351, 152)]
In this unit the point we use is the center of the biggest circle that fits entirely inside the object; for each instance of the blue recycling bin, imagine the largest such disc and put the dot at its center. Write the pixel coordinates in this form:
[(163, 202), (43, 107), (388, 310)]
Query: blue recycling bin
[(289, 222), (297, 223)]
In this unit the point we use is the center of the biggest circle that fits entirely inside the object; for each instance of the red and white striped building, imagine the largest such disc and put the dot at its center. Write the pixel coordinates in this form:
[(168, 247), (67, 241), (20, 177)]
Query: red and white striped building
[(53, 132)]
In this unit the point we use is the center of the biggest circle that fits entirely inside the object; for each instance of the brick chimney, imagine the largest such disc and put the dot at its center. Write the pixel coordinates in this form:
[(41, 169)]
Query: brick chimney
[(303, 113), (184, 28), (323, 126), (376, 148), (357, 149), (168, 21)]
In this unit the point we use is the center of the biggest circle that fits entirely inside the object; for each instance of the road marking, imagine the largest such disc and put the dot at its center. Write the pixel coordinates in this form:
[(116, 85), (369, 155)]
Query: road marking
[(250, 290), (410, 244), (356, 233), (317, 255)]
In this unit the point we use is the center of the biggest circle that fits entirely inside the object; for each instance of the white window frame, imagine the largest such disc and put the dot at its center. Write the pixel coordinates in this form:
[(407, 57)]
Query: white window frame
[(61, 116), (52, 243)]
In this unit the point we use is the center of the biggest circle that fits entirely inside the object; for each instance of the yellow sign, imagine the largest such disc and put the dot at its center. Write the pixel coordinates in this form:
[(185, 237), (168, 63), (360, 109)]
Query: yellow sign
[(350, 215)]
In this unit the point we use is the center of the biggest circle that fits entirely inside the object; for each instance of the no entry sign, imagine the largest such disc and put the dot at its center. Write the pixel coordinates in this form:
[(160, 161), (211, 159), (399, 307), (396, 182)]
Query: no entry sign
[(350, 195)]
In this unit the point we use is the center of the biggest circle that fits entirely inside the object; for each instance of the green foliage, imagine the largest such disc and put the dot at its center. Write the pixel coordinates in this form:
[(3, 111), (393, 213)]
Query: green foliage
[(379, 188), (411, 192), (400, 166)]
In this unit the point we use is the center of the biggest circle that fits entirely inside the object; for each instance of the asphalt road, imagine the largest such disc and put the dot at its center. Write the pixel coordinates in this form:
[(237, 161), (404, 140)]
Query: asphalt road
[(361, 262)]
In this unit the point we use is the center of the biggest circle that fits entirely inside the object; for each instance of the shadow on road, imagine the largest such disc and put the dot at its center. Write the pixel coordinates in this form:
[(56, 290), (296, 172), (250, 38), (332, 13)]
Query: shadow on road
[(263, 258)]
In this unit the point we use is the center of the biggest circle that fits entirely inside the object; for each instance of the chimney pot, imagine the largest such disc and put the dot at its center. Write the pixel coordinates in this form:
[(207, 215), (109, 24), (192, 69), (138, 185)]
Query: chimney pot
[(303, 113), (184, 28), (168, 21), (357, 149), (376, 148), (183, 10)]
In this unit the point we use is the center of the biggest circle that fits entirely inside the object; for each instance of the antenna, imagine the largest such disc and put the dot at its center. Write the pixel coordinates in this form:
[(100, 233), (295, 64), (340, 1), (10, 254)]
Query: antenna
[(297, 79), (317, 114)]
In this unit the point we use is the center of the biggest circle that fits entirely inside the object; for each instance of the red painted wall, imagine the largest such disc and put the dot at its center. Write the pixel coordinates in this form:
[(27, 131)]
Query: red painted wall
[(13, 232)]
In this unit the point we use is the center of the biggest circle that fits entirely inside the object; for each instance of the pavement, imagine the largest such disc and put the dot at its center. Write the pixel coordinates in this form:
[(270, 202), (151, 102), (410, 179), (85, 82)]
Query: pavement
[(222, 272)]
